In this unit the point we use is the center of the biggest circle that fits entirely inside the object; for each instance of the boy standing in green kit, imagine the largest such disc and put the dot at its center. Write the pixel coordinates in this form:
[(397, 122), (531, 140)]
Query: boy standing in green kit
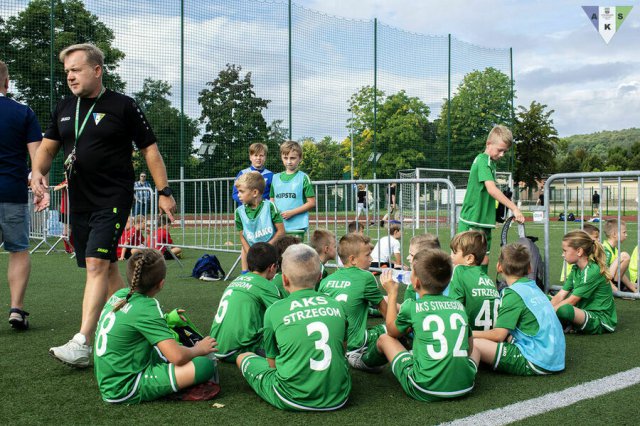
[(479, 206)]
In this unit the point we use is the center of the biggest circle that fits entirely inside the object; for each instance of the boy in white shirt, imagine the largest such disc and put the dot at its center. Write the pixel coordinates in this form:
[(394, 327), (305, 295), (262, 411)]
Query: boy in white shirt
[(386, 253)]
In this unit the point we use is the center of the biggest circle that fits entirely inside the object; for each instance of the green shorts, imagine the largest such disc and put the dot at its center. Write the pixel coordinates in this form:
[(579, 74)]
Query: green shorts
[(594, 324), (509, 359), (402, 368), (155, 381), (262, 380), (462, 227)]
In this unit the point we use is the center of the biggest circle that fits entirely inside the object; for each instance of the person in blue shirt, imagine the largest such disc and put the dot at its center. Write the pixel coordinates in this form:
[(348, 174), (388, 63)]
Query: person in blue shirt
[(21, 134), (258, 157)]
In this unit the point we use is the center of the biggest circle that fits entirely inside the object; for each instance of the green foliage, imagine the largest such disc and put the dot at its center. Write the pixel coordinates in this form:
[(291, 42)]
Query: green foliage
[(25, 47), (164, 119), (402, 132), (535, 144), (232, 116), (323, 160), (482, 100)]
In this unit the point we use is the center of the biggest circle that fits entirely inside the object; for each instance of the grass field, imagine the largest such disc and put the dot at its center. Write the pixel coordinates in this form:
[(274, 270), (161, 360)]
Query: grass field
[(39, 390)]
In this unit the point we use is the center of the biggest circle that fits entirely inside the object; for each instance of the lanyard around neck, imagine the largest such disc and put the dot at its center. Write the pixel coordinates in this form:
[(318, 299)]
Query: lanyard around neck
[(86, 117)]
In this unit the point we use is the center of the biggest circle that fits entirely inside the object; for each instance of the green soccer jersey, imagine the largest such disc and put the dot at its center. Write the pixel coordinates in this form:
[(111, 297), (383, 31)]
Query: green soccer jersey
[(240, 313), (440, 345), (253, 213), (308, 190), (124, 343), (355, 289), (277, 282), (513, 313), (478, 207), (305, 334), (477, 292), (594, 291)]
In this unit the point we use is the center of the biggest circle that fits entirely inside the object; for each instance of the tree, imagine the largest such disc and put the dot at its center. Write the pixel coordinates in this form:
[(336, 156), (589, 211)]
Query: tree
[(25, 47), (323, 160), (617, 159), (535, 144), (232, 116), (402, 131), (482, 100), (164, 119)]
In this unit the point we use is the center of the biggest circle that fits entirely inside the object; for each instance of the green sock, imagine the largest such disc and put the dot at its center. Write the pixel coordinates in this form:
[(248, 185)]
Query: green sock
[(566, 314), (205, 369)]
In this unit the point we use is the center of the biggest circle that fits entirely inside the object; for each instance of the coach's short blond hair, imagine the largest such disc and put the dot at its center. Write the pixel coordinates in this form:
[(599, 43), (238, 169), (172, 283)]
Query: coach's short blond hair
[(251, 181), (95, 56), (500, 133), (288, 146), (301, 266), (257, 148), (4, 72)]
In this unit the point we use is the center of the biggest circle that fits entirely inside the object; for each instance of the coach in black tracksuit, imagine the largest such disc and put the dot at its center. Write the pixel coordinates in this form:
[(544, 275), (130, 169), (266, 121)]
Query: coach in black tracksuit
[(96, 128)]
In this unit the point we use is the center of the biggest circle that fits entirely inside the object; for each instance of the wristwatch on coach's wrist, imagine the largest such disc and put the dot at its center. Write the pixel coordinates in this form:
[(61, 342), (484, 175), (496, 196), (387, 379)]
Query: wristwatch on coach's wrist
[(166, 191)]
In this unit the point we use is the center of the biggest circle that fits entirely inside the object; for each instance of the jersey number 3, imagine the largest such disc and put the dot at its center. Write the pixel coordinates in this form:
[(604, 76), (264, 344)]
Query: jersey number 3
[(321, 345)]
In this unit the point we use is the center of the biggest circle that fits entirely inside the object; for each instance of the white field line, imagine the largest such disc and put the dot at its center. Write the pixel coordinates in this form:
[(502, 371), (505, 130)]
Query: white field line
[(551, 401)]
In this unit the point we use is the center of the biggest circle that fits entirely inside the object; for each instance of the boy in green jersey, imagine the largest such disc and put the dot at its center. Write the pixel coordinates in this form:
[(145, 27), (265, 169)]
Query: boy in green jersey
[(586, 298), (292, 191), (439, 367), (356, 288), (324, 243), (238, 321), (615, 261), (470, 285), (479, 206), (527, 339), (304, 334), (281, 245), (133, 335), (257, 220)]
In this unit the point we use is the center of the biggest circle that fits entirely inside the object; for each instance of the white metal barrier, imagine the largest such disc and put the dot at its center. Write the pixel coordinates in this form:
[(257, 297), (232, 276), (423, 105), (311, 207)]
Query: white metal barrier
[(584, 183)]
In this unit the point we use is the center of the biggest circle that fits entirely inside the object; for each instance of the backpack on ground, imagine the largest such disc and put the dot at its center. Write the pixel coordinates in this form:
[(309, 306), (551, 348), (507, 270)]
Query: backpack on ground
[(537, 264), (208, 268)]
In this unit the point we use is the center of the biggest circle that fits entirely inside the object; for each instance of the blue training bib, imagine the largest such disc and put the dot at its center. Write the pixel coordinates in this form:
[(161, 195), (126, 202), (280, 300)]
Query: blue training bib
[(289, 195)]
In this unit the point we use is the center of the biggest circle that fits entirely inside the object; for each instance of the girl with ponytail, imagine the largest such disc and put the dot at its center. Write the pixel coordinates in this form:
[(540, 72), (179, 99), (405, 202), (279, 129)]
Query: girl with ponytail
[(135, 355), (586, 298)]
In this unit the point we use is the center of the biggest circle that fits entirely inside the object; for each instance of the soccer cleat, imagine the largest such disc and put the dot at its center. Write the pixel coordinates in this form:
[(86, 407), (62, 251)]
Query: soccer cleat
[(18, 319), (355, 361), (74, 353)]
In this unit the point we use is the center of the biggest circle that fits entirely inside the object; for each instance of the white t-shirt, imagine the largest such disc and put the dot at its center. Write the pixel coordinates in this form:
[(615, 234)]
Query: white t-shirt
[(384, 248)]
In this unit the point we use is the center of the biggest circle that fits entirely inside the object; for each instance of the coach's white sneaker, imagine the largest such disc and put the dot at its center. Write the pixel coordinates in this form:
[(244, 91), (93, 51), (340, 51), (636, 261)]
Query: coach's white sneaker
[(75, 352)]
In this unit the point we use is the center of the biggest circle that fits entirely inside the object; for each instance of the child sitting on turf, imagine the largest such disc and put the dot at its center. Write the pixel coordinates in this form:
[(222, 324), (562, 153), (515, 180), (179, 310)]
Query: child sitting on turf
[(417, 244), (133, 235), (304, 334), (439, 367), (633, 267), (594, 233), (586, 298), (357, 288), (527, 338), (292, 191), (324, 243), (132, 333), (281, 245), (470, 285), (614, 261), (238, 321), (162, 239), (386, 252), (257, 220)]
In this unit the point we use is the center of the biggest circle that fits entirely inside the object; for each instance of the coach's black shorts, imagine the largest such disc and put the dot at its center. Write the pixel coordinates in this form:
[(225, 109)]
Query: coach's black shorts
[(96, 234)]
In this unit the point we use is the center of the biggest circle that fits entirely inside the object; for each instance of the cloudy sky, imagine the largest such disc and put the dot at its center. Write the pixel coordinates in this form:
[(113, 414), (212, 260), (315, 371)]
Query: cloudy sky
[(559, 58)]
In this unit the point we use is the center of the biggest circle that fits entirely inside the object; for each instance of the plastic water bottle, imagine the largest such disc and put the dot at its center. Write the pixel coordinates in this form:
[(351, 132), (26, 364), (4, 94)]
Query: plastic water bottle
[(400, 276)]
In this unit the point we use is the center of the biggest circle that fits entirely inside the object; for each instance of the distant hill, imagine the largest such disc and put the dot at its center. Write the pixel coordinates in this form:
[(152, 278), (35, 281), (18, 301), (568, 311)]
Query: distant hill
[(601, 142)]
